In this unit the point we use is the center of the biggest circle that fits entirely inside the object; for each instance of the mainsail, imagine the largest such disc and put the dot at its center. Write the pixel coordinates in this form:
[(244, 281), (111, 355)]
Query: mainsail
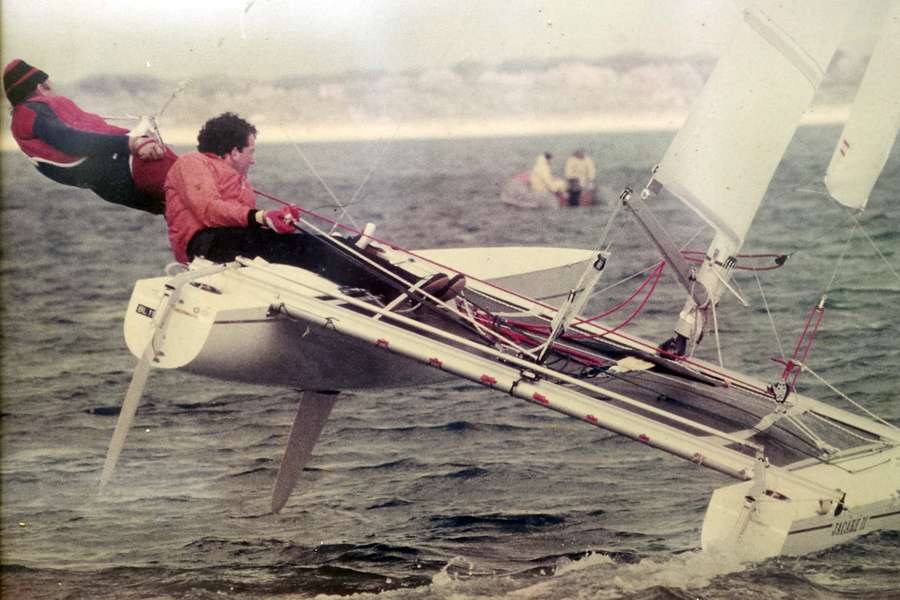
[(869, 133), (723, 158)]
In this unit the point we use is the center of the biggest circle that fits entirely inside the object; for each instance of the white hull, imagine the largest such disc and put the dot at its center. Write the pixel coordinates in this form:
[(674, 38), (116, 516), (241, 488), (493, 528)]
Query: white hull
[(223, 328), (774, 526)]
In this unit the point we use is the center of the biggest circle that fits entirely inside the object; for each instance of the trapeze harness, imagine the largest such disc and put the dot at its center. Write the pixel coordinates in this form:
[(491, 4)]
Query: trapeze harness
[(77, 148)]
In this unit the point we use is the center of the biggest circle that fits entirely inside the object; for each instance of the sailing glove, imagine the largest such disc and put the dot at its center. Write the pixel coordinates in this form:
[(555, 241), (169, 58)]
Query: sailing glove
[(145, 148), (281, 220)]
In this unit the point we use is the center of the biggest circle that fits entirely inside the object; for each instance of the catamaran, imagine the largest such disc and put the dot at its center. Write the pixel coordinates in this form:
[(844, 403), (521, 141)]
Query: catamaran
[(808, 475)]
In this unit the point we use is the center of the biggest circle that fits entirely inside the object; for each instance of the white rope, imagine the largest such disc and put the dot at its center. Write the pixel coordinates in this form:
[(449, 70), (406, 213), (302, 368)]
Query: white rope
[(697, 325), (847, 398), (817, 440), (838, 426)]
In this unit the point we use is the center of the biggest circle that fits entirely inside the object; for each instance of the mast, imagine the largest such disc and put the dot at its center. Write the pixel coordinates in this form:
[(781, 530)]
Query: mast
[(723, 158)]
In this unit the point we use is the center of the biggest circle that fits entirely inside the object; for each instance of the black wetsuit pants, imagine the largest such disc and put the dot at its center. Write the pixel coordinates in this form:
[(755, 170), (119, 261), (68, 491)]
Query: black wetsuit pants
[(326, 257), (107, 176)]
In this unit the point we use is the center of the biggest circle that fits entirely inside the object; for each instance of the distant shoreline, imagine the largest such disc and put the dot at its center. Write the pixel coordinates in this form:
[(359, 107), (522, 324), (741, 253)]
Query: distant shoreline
[(271, 133)]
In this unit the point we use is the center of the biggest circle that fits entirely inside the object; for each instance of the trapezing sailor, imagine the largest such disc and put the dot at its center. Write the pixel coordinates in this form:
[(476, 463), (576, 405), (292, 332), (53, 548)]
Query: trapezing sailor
[(77, 148), (211, 213)]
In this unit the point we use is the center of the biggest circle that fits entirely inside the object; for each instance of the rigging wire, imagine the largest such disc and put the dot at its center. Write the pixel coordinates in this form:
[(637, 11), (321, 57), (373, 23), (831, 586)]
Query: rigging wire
[(889, 266), (762, 294), (840, 261), (334, 197), (653, 280), (371, 172), (712, 306), (622, 281), (838, 266), (373, 169)]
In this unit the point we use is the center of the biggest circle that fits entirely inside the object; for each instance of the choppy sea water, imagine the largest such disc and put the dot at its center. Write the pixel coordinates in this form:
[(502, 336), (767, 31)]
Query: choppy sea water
[(444, 492)]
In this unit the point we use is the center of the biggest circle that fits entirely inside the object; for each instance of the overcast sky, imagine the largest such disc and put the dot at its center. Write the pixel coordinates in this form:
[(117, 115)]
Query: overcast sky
[(272, 38)]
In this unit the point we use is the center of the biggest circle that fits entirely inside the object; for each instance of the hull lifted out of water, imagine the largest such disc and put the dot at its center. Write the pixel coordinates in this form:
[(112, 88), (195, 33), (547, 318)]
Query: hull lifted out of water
[(224, 326)]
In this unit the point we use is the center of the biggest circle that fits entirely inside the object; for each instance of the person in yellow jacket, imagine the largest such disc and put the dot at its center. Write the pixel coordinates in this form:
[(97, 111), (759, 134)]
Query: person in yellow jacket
[(580, 172), (542, 179)]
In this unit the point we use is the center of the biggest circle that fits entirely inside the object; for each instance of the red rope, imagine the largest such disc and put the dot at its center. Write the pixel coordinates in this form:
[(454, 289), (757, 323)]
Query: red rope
[(638, 343), (804, 344), (628, 300), (513, 335), (656, 276), (314, 214)]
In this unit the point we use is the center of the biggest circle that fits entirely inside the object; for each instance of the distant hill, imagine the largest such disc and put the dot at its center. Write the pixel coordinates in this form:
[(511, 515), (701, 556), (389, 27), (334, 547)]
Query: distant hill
[(522, 96)]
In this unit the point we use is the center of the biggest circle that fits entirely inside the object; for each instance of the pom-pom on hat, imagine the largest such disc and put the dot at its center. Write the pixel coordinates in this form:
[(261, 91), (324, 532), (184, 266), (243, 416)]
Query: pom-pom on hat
[(20, 79)]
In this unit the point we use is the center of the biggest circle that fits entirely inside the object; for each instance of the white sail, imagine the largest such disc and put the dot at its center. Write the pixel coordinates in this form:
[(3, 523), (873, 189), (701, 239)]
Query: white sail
[(721, 161), (869, 133)]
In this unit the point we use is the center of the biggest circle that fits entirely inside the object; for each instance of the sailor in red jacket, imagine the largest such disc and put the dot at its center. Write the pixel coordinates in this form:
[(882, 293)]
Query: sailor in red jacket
[(211, 212), (77, 148)]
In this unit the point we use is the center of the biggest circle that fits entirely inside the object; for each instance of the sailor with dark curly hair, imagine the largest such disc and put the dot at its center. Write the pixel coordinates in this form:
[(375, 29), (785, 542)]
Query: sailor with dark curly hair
[(210, 205), (211, 213)]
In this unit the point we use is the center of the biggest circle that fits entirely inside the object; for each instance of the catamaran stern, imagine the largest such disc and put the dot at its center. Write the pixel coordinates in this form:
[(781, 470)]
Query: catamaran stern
[(798, 523)]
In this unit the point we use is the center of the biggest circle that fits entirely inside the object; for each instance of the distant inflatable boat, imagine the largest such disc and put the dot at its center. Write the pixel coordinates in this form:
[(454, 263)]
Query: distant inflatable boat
[(518, 192)]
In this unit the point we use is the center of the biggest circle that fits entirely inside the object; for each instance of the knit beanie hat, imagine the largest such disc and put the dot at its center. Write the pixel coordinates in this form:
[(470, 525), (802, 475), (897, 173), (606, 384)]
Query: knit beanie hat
[(20, 79)]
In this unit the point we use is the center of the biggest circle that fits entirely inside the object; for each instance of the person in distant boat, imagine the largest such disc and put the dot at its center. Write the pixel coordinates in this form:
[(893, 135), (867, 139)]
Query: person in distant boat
[(580, 172), (542, 178), (211, 213), (77, 148)]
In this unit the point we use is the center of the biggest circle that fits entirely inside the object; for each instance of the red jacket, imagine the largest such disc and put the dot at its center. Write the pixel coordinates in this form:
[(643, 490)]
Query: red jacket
[(106, 139), (204, 191)]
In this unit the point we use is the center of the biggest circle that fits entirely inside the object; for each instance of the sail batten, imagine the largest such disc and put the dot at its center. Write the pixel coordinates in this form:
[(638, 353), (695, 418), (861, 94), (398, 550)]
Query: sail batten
[(868, 136), (769, 31), (721, 162)]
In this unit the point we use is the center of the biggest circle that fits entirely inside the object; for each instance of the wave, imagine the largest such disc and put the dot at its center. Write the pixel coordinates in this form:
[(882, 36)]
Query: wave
[(497, 522), (451, 426), (268, 568)]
